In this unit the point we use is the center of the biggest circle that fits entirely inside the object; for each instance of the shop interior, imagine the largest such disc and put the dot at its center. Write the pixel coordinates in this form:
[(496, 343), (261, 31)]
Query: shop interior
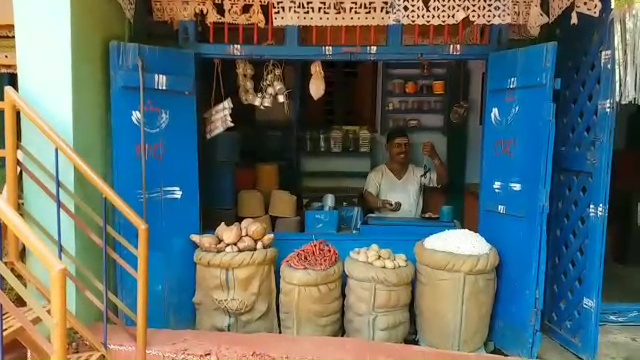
[(622, 263), (328, 145)]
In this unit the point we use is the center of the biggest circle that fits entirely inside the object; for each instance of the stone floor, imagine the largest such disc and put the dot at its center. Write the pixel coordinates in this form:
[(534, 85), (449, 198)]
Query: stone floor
[(616, 342)]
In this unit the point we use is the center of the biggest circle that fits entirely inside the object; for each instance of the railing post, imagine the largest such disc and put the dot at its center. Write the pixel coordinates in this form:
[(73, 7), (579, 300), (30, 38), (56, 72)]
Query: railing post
[(143, 292), (59, 313), (58, 203), (11, 144), (105, 276)]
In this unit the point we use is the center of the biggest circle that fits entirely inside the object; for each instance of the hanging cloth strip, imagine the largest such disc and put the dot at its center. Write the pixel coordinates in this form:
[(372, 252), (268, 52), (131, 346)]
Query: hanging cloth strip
[(129, 8), (626, 20)]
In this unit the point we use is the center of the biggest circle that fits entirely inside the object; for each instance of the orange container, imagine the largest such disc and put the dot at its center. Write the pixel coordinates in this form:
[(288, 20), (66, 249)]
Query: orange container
[(245, 178), (438, 87)]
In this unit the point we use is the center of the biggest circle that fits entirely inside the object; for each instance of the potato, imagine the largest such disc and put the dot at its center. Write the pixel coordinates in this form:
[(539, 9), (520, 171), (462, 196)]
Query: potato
[(374, 247), (362, 257), (386, 254), (231, 234), (353, 254), (395, 263), (402, 257), (259, 245), (402, 263), (389, 264), (220, 229), (267, 240), (246, 243), (373, 253), (221, 247), (256, 230), (231, 249), (378, 263)]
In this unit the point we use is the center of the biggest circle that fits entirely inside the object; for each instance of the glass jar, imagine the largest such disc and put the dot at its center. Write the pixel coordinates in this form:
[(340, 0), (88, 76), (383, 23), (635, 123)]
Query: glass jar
[(336, 140), (364, 140)]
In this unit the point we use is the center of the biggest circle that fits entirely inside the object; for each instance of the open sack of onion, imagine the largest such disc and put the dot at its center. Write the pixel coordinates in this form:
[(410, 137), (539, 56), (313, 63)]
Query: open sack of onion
[(381, 258), (249, 235)]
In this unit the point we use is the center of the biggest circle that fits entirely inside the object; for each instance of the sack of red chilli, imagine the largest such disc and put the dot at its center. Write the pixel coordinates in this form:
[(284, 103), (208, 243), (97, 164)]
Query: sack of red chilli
[(311, 291)]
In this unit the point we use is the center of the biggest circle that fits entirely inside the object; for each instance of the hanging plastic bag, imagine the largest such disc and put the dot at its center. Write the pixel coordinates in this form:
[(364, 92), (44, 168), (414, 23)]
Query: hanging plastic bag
[(317, 85)]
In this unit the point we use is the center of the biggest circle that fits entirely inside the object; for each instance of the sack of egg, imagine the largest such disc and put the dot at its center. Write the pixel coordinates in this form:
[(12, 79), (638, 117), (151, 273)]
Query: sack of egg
[(235, 279), (376, 305)]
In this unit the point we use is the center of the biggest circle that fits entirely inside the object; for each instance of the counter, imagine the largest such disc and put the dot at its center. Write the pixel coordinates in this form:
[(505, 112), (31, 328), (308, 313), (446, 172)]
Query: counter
[(398, 234)]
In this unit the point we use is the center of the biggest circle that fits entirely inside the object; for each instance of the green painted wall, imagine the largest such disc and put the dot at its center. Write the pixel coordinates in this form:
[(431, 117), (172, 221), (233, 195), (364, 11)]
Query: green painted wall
[(93, 25), (63, 64)]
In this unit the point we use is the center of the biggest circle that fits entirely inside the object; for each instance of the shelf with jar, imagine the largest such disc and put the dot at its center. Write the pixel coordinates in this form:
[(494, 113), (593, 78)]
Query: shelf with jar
[(414, 96), (349, 148)]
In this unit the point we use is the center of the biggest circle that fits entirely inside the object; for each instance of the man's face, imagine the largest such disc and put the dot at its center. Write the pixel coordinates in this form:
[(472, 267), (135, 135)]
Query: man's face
[(399, 150)]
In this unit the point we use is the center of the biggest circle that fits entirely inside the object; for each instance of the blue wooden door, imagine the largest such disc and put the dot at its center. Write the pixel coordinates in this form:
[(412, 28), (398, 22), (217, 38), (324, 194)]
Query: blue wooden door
[(516, 170), (162, 81), (580, 187)]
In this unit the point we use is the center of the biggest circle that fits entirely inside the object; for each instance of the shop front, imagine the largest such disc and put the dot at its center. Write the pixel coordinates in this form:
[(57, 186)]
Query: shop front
[(298, 162)]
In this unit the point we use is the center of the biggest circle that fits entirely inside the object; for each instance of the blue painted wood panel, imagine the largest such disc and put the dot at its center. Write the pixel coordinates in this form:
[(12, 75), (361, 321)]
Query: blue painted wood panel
[(292, 49), (517, 145), (581, 183), (172, 185)]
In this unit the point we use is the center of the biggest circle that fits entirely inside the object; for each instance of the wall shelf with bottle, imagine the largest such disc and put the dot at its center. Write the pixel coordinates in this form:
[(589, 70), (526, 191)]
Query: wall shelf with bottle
[(414, 96)]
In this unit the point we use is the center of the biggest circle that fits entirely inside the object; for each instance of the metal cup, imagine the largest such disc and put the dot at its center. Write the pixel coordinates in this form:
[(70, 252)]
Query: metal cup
[(267, 101), (281, 98)]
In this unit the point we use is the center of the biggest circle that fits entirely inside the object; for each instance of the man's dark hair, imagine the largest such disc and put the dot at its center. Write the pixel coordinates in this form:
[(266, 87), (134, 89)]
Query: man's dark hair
[(395, 133)]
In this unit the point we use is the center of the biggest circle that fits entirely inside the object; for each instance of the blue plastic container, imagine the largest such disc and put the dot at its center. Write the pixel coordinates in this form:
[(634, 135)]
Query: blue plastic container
[(321, 221), (223, 147), (350, 218), (219, 186)]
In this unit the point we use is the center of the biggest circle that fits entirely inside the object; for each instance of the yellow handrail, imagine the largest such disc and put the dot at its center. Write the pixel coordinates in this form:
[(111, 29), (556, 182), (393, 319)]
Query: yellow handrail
[(57, 270), (14, 103)]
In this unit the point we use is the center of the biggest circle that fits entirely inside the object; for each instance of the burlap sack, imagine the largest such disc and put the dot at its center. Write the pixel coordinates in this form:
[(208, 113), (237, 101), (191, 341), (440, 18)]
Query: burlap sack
[(376, 306), (311, 301), (236, 292), (454, 298)]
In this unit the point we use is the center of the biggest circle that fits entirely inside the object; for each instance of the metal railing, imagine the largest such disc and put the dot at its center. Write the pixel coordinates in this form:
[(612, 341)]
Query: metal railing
[(56, 321), (31, 166)]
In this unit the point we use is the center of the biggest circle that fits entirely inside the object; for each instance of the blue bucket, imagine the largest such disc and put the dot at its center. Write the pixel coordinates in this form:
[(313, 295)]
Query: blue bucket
[(223, 147), (219, 185)]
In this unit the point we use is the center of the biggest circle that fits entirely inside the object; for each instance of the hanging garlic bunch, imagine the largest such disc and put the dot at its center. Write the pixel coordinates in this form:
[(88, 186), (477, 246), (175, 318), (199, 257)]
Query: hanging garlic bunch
[(316, 85), (245, 73), (218, 117)]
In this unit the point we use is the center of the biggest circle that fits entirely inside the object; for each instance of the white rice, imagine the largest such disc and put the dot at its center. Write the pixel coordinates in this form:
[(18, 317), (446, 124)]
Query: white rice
[(459, 241)]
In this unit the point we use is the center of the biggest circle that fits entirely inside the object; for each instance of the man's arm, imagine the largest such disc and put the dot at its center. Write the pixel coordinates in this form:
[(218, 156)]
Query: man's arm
[(442, 173), (371, 191)]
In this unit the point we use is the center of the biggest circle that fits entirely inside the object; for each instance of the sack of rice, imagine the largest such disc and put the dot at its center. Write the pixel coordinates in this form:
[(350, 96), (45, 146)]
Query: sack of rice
[(378, 294), (311, 291), (236, 291), (455, 290)]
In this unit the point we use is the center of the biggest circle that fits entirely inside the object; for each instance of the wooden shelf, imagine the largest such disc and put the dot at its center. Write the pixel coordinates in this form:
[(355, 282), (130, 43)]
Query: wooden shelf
[(343, 154), (394, 95), (415, 112), (335, 174)]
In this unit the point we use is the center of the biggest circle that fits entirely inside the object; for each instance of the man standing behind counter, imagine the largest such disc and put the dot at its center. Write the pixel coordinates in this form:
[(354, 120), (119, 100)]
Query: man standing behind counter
[(395, 188)]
